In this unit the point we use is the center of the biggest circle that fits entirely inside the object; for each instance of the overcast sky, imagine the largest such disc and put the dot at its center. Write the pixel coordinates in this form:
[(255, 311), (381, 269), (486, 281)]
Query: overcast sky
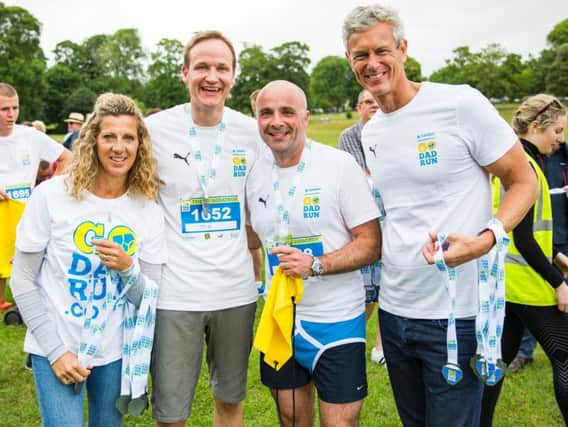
[(433, 27)]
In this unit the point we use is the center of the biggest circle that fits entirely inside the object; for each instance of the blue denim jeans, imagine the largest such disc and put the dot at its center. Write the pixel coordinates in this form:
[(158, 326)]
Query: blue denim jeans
[(61, 407), (528, 344), (415, 351)]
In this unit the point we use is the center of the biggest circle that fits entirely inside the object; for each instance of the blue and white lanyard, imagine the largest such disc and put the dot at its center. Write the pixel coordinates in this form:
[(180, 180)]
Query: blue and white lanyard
[(138, 338), (95, 318), (138, 329), (451, 370), (487, 364), (205, 177), (282, 207)]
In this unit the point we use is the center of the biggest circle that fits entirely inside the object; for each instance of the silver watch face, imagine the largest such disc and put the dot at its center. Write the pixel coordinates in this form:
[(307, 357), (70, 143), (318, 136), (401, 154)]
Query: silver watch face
[(317, 267)]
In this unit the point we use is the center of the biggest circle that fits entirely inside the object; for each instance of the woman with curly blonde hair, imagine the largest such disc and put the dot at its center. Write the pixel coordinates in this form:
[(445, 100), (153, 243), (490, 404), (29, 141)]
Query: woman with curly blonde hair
[(89, 251), (142, 177)]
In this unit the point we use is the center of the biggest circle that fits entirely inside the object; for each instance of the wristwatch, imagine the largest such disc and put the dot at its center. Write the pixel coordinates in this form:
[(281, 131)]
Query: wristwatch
[(317, 266)]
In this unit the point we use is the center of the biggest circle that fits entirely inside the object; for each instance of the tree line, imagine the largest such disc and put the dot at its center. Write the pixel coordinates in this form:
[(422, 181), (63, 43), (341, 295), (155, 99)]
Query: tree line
[(117, 62)]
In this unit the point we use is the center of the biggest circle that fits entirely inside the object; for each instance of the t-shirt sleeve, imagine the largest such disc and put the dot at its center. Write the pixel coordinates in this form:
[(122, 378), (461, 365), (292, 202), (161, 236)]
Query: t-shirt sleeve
[(153, 249), (356, 200), (34, 230), (487, 135), (49, 149)]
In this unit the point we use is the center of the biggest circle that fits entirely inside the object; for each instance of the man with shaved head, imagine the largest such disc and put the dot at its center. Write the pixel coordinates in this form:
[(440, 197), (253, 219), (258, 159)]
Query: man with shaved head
[(311, 207)]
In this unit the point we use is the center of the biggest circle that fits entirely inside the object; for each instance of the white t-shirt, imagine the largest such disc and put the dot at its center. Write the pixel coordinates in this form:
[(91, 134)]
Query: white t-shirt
[(20, 154), (209, 266), (426, 159), (64, 227), (331, 198)]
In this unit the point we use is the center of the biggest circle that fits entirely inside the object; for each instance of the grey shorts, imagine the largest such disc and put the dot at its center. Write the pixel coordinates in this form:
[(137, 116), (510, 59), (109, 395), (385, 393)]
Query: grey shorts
[(178, 352)]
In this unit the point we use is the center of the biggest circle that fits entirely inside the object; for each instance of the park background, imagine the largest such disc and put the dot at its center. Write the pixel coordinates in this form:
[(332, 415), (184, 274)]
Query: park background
[(79, 70), (527, 398), (51, 84)]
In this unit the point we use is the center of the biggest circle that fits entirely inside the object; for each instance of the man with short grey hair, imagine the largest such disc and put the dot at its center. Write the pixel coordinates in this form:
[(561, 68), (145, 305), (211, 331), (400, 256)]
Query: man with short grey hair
[(350, 138), (430, 149)]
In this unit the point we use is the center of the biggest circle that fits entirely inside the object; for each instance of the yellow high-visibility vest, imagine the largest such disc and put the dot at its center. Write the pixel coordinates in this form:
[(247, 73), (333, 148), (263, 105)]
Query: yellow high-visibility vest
[(523, 284)]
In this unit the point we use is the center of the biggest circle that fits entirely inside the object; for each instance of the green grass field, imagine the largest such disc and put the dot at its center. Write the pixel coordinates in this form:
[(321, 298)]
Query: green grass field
[(527, 398)]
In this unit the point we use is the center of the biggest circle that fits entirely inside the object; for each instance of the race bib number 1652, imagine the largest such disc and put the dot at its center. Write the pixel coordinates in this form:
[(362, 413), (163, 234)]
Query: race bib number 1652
[(223, 214)]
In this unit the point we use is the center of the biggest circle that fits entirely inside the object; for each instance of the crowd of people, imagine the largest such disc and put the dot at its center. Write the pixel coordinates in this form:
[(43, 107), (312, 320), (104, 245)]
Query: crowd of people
[(142, 254)]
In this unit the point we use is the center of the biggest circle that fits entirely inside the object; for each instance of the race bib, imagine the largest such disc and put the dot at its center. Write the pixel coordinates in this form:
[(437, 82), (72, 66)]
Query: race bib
[(19, 191), (223, 214), (311, 245)]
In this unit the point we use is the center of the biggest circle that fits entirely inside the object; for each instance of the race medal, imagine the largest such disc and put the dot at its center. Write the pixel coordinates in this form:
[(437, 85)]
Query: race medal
[(77, 387), (452, 373), (121, 404), (479, 367), (500, 368), (138, 405)]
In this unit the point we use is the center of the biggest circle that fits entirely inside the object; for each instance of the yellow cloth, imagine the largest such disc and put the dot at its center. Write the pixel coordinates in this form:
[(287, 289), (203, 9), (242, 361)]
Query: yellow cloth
[(274, 332), (10, 214)]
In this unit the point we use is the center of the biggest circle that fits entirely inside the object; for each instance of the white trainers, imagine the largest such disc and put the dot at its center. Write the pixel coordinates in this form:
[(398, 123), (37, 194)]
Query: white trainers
[(378, 357)]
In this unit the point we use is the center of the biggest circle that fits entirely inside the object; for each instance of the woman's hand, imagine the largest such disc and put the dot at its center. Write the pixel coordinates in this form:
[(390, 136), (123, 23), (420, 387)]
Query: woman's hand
[(561, 260), (112, 255), (562, 296), (68, 370)]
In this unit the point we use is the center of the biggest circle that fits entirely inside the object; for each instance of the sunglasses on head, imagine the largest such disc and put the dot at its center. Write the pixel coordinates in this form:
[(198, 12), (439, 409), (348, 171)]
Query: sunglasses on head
[(547, 106)]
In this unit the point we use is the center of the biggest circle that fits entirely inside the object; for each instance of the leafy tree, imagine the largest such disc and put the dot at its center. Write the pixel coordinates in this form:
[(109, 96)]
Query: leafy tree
[(285, 62), (22, 62), (559, 34), (557, 77), (516, 76), (123, 54), (81, 100), (61, 82), (453, 71), (165, 87), (540, 67), (72, 55), (330, 85), (492, 70), (413, 69), (255, 71), (95, 66), (290, 62)]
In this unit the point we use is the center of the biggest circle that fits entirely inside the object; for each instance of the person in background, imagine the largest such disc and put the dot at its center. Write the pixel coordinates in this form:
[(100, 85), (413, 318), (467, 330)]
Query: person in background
[(536, 291), (74, 123), (350, 141), (256, 254), (21, 150), (350, 138), (39, 125)]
